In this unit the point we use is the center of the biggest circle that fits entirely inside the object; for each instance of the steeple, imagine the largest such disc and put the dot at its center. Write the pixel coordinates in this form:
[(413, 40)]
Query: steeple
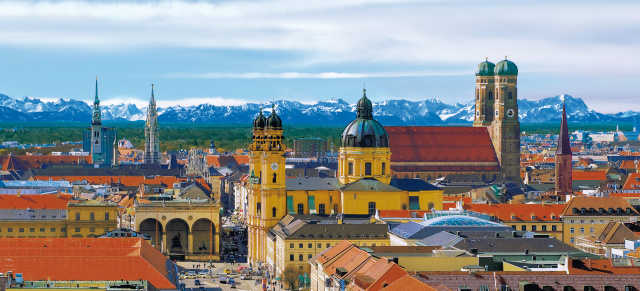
[(153, 100), (96, 101), (96, 118), (364, 108), (564, 145)]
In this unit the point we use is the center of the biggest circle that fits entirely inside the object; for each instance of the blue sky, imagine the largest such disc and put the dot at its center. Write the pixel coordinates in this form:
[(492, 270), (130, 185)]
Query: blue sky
[(232, 52)]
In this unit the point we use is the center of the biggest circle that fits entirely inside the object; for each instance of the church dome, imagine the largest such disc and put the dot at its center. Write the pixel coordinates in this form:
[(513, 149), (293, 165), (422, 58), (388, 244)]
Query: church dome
[(506, 67), (485, 69), (274, 121), (260, 121), (364, 131)]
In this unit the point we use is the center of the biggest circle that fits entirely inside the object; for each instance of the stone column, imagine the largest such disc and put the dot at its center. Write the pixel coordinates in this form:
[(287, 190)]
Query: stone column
[(190, 241)]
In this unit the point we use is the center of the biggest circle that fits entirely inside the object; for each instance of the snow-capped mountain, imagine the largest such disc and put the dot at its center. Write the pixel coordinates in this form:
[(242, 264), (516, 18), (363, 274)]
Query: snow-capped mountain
[(333, 111)]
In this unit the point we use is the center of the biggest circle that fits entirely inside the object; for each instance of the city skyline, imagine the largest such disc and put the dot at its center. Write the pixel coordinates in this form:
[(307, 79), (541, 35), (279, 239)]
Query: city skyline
[(232, 52)]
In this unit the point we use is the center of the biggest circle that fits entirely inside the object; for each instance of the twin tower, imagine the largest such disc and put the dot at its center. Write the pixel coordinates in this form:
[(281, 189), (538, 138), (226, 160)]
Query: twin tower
[(496, 100)]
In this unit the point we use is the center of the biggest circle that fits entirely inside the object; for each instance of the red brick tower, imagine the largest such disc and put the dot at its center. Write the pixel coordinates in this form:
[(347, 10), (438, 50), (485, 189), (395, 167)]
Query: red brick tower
[(564, 182)]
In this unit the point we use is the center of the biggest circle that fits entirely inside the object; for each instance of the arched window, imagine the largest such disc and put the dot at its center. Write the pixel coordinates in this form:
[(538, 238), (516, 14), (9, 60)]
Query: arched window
[(367, 169), (509, 95), (384, 168), (274, 177), (490, 95), (477, 95), (350, 168), (497, 95), (430, 206), (372, 208), (321, 209), (300, 208), (273, 212)]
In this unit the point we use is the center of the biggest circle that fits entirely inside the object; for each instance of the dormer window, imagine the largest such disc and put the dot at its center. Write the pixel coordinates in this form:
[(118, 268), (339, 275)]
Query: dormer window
[(553, 216), (513, 216), (583, 210), (533, 216)]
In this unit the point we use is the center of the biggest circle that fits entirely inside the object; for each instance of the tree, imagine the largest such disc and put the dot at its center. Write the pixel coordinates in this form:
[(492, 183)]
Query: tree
[(290, 277)]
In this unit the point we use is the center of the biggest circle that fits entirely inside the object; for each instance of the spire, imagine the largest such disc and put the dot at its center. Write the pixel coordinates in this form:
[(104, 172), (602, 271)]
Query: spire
[(364, 108), (564, 145), (153, 100), (96, 101)]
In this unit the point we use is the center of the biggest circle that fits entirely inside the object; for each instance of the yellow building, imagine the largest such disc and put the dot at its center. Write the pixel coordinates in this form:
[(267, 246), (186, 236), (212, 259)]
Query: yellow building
[(54, 215), (363, 185), (584, 215)]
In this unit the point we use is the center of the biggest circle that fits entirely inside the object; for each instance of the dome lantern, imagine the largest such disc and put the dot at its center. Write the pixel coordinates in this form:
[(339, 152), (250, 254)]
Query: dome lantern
[(364, 131)]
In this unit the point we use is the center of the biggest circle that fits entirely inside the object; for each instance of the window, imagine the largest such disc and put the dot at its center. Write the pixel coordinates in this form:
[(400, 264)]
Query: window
[(384, 168), (490, 95), (591, 230), (509, 96), (106, 216), (77, 215), (582, 230), (21, 229), (64, 229), (300, 257), (572, 219), (533, 228), (328, 245), (10, 229), (372, 208), (291, 258), (32, 229), (273, 212), (572, 230), (300, 208), (319, 245), (77, 229), (367, 169), (53, 229), (309, 257), (350, 168), (523, 227), (92, 216), (310, 245), (414, 203), (544, 228), (300, 245), (291, 246), (514, 226), (572, 240), (553, 228), (258, 208), (92, 229), (274, 177), (321, 209)]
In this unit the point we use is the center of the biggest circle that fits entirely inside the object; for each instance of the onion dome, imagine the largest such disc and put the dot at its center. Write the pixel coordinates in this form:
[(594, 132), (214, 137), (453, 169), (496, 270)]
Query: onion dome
[(274, 121), (485, 68), (364, 131), (260, 121), (505, 67)]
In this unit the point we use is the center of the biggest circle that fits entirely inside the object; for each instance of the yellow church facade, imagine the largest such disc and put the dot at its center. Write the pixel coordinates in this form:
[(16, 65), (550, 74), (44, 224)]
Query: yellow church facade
[(363, 185)]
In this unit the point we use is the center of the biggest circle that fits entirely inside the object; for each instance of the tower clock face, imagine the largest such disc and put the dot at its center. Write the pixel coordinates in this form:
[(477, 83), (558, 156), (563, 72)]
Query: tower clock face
[(274, 166), (477, 113), (97, 141), (96, 115), (497, 113), (510, 113)]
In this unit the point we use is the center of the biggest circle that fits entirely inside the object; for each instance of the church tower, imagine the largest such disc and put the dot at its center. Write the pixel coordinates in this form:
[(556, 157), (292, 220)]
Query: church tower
[(505, 127), (96, 131), (151, 137), (364, 147), (484, 94), (267, 197), (564, 182)]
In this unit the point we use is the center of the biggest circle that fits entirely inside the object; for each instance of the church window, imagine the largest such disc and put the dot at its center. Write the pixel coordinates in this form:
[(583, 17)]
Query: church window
[(490, 95), (497, 95), (350, 168), (300, 208), (510, 96), (274, 177), (372, 208), (273, 212), (321, 209), (384, 168), (477, 95), (367, 168), (258, 208)]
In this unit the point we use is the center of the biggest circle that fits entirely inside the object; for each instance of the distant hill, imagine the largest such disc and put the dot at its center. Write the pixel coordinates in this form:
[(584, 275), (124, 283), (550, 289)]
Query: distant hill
[(334, 111)]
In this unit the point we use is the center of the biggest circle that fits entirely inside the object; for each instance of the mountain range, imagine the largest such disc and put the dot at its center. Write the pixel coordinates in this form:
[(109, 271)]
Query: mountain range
[(334, 111)]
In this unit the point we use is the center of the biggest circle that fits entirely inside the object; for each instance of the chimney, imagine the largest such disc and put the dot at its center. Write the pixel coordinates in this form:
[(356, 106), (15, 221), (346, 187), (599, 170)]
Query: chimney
[(18, 193), (59, 194), (589, 264)]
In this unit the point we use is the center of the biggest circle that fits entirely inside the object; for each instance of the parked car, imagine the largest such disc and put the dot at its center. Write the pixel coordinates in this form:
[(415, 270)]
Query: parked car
[(223, 278), (204, 273), (190, 275), (227, 271), (196, 282), (232, 283)]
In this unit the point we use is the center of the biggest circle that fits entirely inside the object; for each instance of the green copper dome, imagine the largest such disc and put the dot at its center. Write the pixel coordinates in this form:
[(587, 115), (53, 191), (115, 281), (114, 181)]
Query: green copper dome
[(365, 131), (506, 67), (485, 69)]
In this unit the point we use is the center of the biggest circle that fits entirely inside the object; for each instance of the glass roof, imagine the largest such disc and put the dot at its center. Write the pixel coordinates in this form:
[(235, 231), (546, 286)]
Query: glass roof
[(458, 220)]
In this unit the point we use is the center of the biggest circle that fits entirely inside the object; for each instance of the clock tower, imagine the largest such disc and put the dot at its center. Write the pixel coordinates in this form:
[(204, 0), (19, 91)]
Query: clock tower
[(268, 197), (96, 131), (505, 127)]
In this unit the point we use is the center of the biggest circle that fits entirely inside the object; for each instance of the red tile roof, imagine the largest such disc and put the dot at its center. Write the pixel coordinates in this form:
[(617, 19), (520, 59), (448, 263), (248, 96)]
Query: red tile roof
[(589, 175), (408, 283), (427, 147), (633, 182), (133, 181), (86, 259), (521, 212), (380, 274), (599, 266), (222, 161), (43, 201), (596, 203), (629, 165)]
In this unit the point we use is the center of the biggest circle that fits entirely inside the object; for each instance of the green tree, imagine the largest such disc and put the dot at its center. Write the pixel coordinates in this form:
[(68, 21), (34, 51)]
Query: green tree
[(290, 277)]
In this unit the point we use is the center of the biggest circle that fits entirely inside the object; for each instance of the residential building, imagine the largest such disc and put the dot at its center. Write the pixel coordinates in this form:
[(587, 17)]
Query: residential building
[(309, 147), (538, 218), (583, 215), (612, 235)]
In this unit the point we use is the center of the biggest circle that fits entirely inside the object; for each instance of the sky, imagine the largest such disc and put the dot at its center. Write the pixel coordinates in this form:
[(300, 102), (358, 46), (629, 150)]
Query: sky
[(233, 52)]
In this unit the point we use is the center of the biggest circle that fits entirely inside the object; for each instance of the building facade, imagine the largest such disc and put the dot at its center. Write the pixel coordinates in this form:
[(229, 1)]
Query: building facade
[(309, 147), (151, 133)]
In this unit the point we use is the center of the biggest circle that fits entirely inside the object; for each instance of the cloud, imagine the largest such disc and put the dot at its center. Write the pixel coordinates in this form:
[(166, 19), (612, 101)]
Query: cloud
[(325, 75)]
